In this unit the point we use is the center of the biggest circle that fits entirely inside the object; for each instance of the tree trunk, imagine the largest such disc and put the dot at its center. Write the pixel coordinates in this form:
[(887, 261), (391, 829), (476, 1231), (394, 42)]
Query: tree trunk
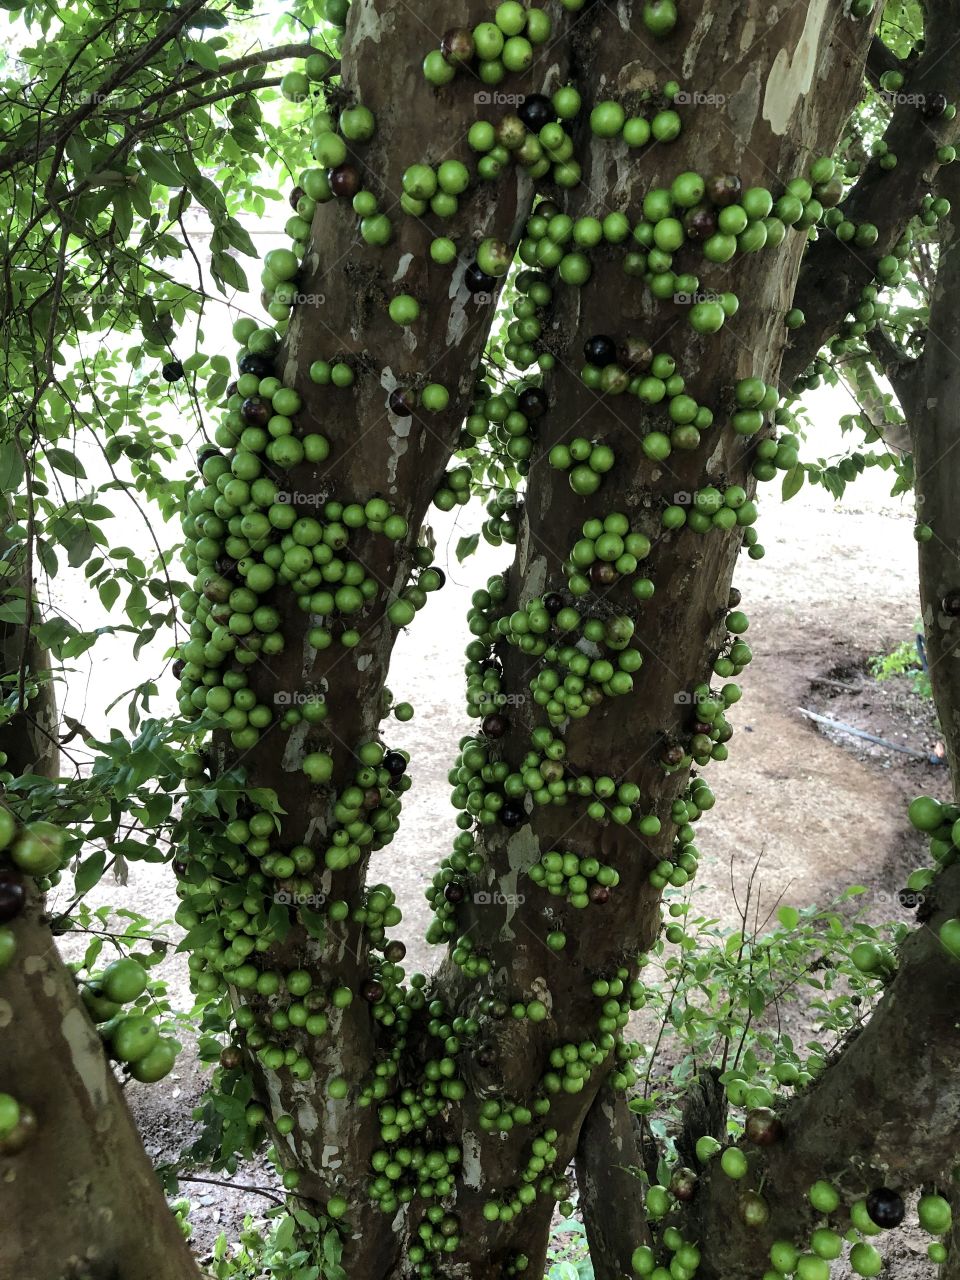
[(770, 124), (348, 286), (930, 404), (80, 1200)]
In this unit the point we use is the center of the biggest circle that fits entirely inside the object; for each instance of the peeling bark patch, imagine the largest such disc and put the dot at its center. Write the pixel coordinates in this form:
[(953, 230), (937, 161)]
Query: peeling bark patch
[(523, 850), (471, 1163), (293, 752), (402, 267), (458, 321), (370, 24), (697, 37), (88, 1060), (535, 579), (399, 444), (743, 106), (791, 77)]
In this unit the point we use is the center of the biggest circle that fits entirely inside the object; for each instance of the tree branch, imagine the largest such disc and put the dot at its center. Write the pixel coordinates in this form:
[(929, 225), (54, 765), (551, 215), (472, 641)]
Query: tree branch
[(899, 369), (881, 59), (10, 159), (608, 1154), (834, 273), (262, 58)]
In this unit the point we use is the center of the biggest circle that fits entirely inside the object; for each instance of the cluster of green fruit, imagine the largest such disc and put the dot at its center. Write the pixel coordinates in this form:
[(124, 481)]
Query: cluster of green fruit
[(940, 823), (586, 461), (579, 880), (532, 1176), (608, 549), (680, 869), (712, 509), (132, 1037), (504, 418), (661, 124), (534, 293), (296, 86), (683, 1264), (405, 1171), (35, 848), (241, 882), (490, 49)]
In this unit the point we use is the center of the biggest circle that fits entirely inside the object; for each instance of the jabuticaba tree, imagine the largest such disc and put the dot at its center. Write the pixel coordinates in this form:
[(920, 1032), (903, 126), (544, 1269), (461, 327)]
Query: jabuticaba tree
[(433, 1122), (659, 175)]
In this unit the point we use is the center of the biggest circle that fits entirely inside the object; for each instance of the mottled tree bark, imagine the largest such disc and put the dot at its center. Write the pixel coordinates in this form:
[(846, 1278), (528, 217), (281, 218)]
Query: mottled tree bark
[(348, 285), (81, 1200), (929, 392)]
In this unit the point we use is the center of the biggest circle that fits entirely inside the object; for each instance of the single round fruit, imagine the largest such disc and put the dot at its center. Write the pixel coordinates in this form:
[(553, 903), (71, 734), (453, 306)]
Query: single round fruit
[(865, 1260), (404, 309), (134, 1037), (734, 1163), (156, 1064), (886, 1207), (123, 980), (9, 1114), (935, 1215), (824, 1197), (38, 849), (925, 813)]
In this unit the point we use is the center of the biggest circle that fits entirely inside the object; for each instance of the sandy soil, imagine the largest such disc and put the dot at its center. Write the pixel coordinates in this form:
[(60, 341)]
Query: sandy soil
[(824, 810)]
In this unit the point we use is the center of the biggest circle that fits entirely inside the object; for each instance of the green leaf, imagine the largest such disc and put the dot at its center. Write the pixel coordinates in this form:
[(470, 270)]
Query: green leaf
[(285, 1233), (793, 481), (66, 462), (90, 871), (109, 591), (199, 935), (789, 917), (332, 1253), (14, 611), (467, 546), (159, 168), (11, 468), (228, 271)]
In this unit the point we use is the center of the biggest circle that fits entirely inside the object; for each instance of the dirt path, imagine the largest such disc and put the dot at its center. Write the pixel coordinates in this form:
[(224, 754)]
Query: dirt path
[(833, 589)]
